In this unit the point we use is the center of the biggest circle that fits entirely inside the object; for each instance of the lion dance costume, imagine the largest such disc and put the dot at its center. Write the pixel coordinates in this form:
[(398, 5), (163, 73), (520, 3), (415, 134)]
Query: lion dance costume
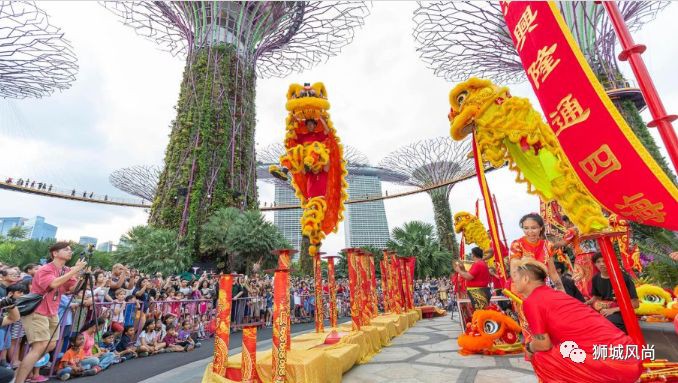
[(314, 158), (509, 129)]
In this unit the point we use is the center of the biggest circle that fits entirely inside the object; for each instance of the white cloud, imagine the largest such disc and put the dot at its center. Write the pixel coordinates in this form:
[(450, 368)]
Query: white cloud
[(118, 111)]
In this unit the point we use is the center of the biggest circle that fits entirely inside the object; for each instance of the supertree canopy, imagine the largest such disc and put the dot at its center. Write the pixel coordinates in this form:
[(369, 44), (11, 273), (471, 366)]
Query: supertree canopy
[(431, 162), (35, 59), (139, 180), (210, 160), (459, 40)]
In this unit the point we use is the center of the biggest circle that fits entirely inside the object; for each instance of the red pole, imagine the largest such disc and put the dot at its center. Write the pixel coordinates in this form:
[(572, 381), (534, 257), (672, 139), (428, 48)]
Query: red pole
[(501, 223), (620, 291), (632, 51)]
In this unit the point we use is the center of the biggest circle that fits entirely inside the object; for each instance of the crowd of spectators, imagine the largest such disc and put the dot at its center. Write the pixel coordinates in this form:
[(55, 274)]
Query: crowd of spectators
[(124, 313)]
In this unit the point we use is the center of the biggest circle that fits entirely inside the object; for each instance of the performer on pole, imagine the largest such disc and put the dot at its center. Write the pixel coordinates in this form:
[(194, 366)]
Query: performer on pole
[(534, 245), (569, 350), (477, 280), (603, 299)]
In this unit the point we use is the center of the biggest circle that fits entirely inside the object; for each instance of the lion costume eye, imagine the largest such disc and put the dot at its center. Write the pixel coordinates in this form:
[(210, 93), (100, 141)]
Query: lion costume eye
[(462, 97), (653, 299), (490, 327)]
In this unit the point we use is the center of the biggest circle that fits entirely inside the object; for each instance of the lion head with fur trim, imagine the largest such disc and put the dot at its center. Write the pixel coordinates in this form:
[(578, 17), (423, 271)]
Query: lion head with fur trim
[(467, 101), (307, 101), (487, 330)]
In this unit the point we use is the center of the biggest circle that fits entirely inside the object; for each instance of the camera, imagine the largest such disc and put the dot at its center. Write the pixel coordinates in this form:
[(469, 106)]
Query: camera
[(6, 302)]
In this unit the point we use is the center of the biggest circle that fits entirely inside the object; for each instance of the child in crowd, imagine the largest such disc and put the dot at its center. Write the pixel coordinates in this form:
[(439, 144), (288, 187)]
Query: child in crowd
[(74, 362), (131, 308), (147, 342), (126, 345), (172, 340), (108, 344), (118, 318), (185, 336), (88, 331), (202, 334), (160, 330)]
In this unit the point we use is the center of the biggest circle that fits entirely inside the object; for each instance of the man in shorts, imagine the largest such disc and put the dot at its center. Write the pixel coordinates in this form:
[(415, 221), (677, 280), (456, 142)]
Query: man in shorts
[(51, 281)]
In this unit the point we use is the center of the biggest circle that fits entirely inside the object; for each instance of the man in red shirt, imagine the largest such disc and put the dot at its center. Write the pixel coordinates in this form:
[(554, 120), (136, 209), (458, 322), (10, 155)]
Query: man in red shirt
[(477, 280), (568, 337), (51, 281)]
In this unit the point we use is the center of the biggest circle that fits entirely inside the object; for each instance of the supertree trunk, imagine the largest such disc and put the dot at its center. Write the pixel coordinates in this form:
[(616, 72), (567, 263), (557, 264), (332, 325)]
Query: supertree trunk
[(210, 159), (442, 214)]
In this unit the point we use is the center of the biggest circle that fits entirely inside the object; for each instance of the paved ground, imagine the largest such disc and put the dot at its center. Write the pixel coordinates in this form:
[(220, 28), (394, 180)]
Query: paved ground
[(427, 353), (179, 367)]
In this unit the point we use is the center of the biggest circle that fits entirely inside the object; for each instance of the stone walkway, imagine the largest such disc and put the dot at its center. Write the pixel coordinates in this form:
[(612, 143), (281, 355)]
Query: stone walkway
[(427, 353)]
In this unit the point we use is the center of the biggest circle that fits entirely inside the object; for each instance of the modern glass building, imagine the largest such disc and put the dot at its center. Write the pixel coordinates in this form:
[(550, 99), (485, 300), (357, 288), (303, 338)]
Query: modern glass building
[(106, 247), (39, 229), (88, 241), (365, 223), (36, 228), (7, 223), (288, 221)]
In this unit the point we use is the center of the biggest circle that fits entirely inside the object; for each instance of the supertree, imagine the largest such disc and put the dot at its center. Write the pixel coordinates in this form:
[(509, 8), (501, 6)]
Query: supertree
[(35, 59), (210, 160), (139, 180), (430, 162), (459, 40)]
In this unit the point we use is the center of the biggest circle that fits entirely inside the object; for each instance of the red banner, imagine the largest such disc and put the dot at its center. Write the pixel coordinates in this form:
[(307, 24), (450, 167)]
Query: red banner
[(373, 290), (248, 365), (365, 283), (223, 331), (318, 275), (609, 159), (384, 286), (281, 329), (354, 287), (333, 291)]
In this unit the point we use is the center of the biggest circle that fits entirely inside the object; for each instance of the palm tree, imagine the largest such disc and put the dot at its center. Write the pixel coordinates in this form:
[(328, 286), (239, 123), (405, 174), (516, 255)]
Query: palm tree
[(241, 241), (418, 239), (151, 249)]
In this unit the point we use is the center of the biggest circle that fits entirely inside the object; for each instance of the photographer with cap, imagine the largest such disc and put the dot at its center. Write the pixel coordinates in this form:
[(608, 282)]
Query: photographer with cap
[(51, 281)]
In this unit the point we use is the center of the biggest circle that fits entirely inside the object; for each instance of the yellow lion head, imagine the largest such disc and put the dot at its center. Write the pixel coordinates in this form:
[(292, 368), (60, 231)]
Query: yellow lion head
[(488, 328), (461, 219), (467, 100), (653, 300), (307, 101)]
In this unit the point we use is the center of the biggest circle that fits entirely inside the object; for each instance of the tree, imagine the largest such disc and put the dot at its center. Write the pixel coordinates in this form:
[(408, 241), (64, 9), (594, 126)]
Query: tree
[(17, 232), (241, 241), (418, 239), (151, 249)]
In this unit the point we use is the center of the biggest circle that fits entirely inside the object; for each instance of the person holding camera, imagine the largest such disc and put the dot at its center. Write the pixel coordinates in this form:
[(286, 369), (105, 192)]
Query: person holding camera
[(51, 281), (6, 374)]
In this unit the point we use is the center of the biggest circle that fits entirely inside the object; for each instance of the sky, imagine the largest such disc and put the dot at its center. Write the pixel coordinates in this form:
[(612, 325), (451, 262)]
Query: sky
[(118, 111)]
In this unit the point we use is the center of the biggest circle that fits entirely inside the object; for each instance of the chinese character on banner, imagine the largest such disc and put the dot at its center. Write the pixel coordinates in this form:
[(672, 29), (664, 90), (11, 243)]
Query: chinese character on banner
[(631, 351), (524, 26), (642, 209), (506, 6), (540, 69), (617, 352), (568, 113), (648, 351), (600, 163), (599, 351)]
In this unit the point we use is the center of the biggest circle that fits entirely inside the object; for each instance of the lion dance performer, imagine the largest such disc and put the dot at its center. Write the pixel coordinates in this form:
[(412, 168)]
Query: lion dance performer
[(314, 158), (509, 129)]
